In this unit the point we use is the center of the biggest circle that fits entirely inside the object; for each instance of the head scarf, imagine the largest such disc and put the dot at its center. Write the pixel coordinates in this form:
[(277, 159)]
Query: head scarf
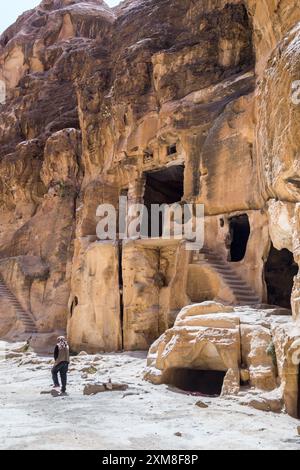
[(62, 342)]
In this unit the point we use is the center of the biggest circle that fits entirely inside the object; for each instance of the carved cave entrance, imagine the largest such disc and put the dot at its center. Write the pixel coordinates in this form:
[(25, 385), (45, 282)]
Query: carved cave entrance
[(163, 187), (239, 227), (280, 271), (200, 382)]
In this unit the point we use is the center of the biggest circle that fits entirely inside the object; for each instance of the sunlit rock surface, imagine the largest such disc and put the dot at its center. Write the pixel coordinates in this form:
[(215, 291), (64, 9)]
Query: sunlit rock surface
[(164, 102)]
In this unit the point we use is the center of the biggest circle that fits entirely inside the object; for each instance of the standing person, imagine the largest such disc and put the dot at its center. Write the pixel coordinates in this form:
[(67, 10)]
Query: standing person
[(61, 366)]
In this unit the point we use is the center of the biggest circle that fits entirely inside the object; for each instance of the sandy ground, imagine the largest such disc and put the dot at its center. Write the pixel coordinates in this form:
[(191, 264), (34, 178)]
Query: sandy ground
[(144, 417)]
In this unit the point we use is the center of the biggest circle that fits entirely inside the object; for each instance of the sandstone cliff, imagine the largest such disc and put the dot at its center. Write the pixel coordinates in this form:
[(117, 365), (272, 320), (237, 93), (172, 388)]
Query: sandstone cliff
[(102, 102)]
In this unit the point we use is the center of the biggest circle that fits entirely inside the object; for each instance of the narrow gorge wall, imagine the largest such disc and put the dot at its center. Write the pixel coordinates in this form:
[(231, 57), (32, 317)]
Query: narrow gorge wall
[(97, 100)]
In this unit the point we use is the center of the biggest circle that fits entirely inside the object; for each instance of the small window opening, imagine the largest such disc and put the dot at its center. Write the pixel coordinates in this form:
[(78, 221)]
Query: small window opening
[(172, 150)]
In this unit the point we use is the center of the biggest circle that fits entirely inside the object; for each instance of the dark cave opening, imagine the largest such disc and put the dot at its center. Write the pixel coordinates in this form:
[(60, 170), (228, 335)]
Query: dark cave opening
[(200, 382), (172, 150), (239, 227), (73, 305), (280, 270), (163, 187)]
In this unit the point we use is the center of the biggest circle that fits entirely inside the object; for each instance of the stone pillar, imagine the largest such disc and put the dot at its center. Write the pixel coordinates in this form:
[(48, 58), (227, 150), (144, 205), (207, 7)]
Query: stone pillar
[(141, 295), (95, 322)]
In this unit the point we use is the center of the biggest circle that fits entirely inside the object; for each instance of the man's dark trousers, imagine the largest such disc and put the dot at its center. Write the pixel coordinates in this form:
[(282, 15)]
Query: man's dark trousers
[(62, 369)]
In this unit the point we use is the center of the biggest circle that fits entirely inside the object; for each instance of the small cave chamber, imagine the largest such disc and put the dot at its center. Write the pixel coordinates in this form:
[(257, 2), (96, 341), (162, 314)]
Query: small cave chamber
[(164, 186), (195, 381), (239, 228), (280, 271)]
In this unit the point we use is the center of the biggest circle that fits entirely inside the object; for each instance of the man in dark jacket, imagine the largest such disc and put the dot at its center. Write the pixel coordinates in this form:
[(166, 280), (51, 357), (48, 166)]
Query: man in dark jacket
[(61, 366)]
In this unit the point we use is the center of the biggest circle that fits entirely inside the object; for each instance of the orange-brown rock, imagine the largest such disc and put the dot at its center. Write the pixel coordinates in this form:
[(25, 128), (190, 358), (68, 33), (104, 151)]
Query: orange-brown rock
[(165, 102)]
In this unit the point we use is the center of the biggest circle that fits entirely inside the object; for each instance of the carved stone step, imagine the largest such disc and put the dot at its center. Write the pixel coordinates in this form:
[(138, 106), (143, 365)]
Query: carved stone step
[(242, 292), (24, 316)]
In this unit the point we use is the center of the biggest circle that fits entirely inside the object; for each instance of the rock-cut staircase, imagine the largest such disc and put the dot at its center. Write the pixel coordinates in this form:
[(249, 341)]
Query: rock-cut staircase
[(243, 293), (24, 316)]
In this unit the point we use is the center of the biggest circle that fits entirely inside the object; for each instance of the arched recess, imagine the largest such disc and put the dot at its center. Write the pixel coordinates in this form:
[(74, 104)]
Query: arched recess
[(280, 271), (204, 375)]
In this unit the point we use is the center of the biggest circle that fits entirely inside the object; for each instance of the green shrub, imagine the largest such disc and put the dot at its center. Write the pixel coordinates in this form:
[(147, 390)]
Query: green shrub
[(271, 351)]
